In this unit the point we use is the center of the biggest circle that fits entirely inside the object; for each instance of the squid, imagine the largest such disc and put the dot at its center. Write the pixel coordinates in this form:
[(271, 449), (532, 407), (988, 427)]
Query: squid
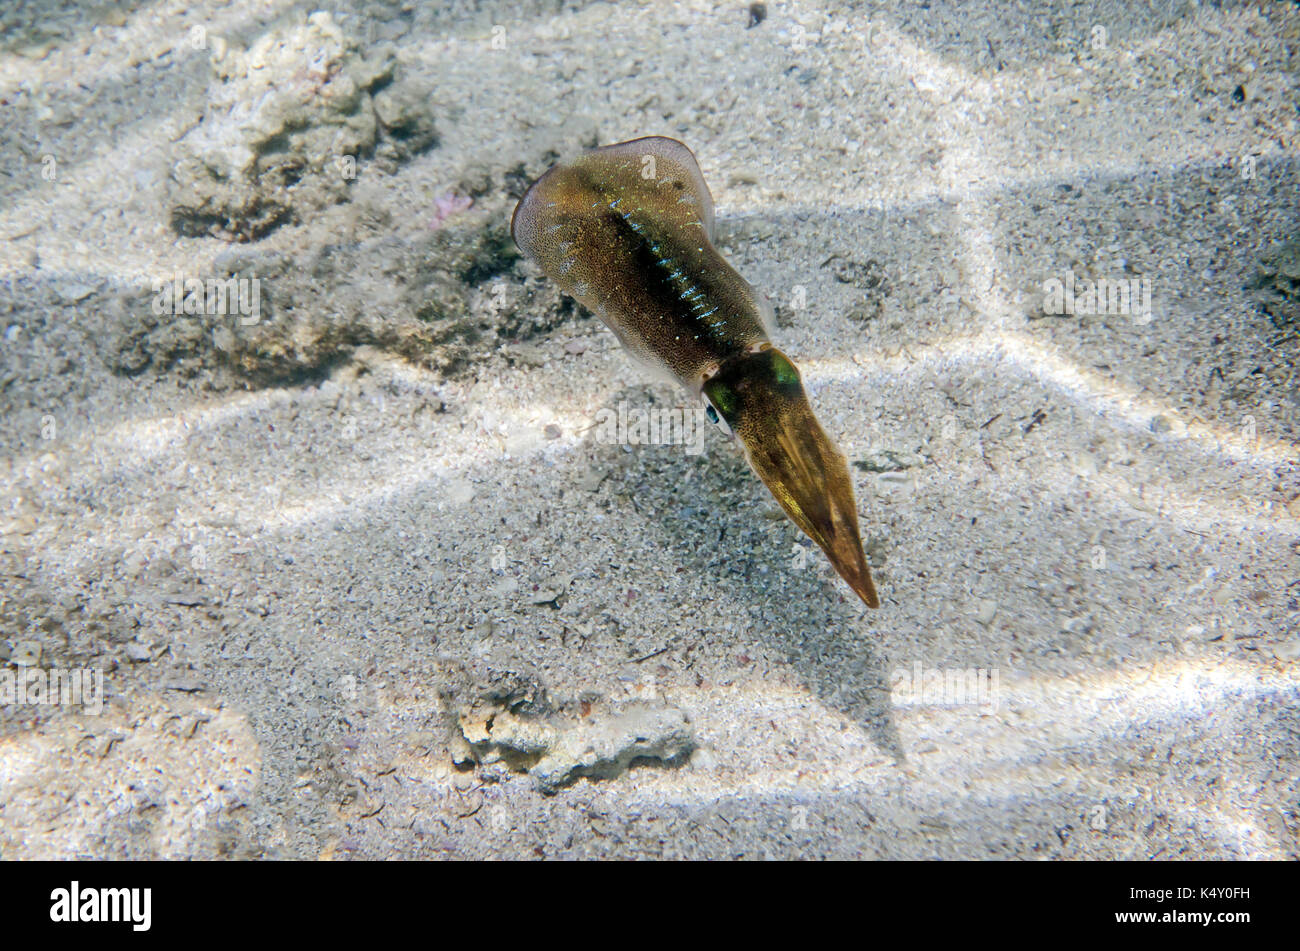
[(627, 230)]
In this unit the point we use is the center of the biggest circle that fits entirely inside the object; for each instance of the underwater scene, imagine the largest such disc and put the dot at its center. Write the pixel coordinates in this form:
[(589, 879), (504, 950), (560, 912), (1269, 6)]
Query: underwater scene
[(664, 430)]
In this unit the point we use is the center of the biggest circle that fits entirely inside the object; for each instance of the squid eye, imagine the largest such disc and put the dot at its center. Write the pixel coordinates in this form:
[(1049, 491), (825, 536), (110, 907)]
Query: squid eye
[(714, 416)]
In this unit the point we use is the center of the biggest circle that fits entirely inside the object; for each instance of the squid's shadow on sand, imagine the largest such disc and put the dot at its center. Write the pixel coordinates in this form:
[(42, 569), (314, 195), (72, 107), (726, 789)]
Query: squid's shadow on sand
[(718, 531)]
